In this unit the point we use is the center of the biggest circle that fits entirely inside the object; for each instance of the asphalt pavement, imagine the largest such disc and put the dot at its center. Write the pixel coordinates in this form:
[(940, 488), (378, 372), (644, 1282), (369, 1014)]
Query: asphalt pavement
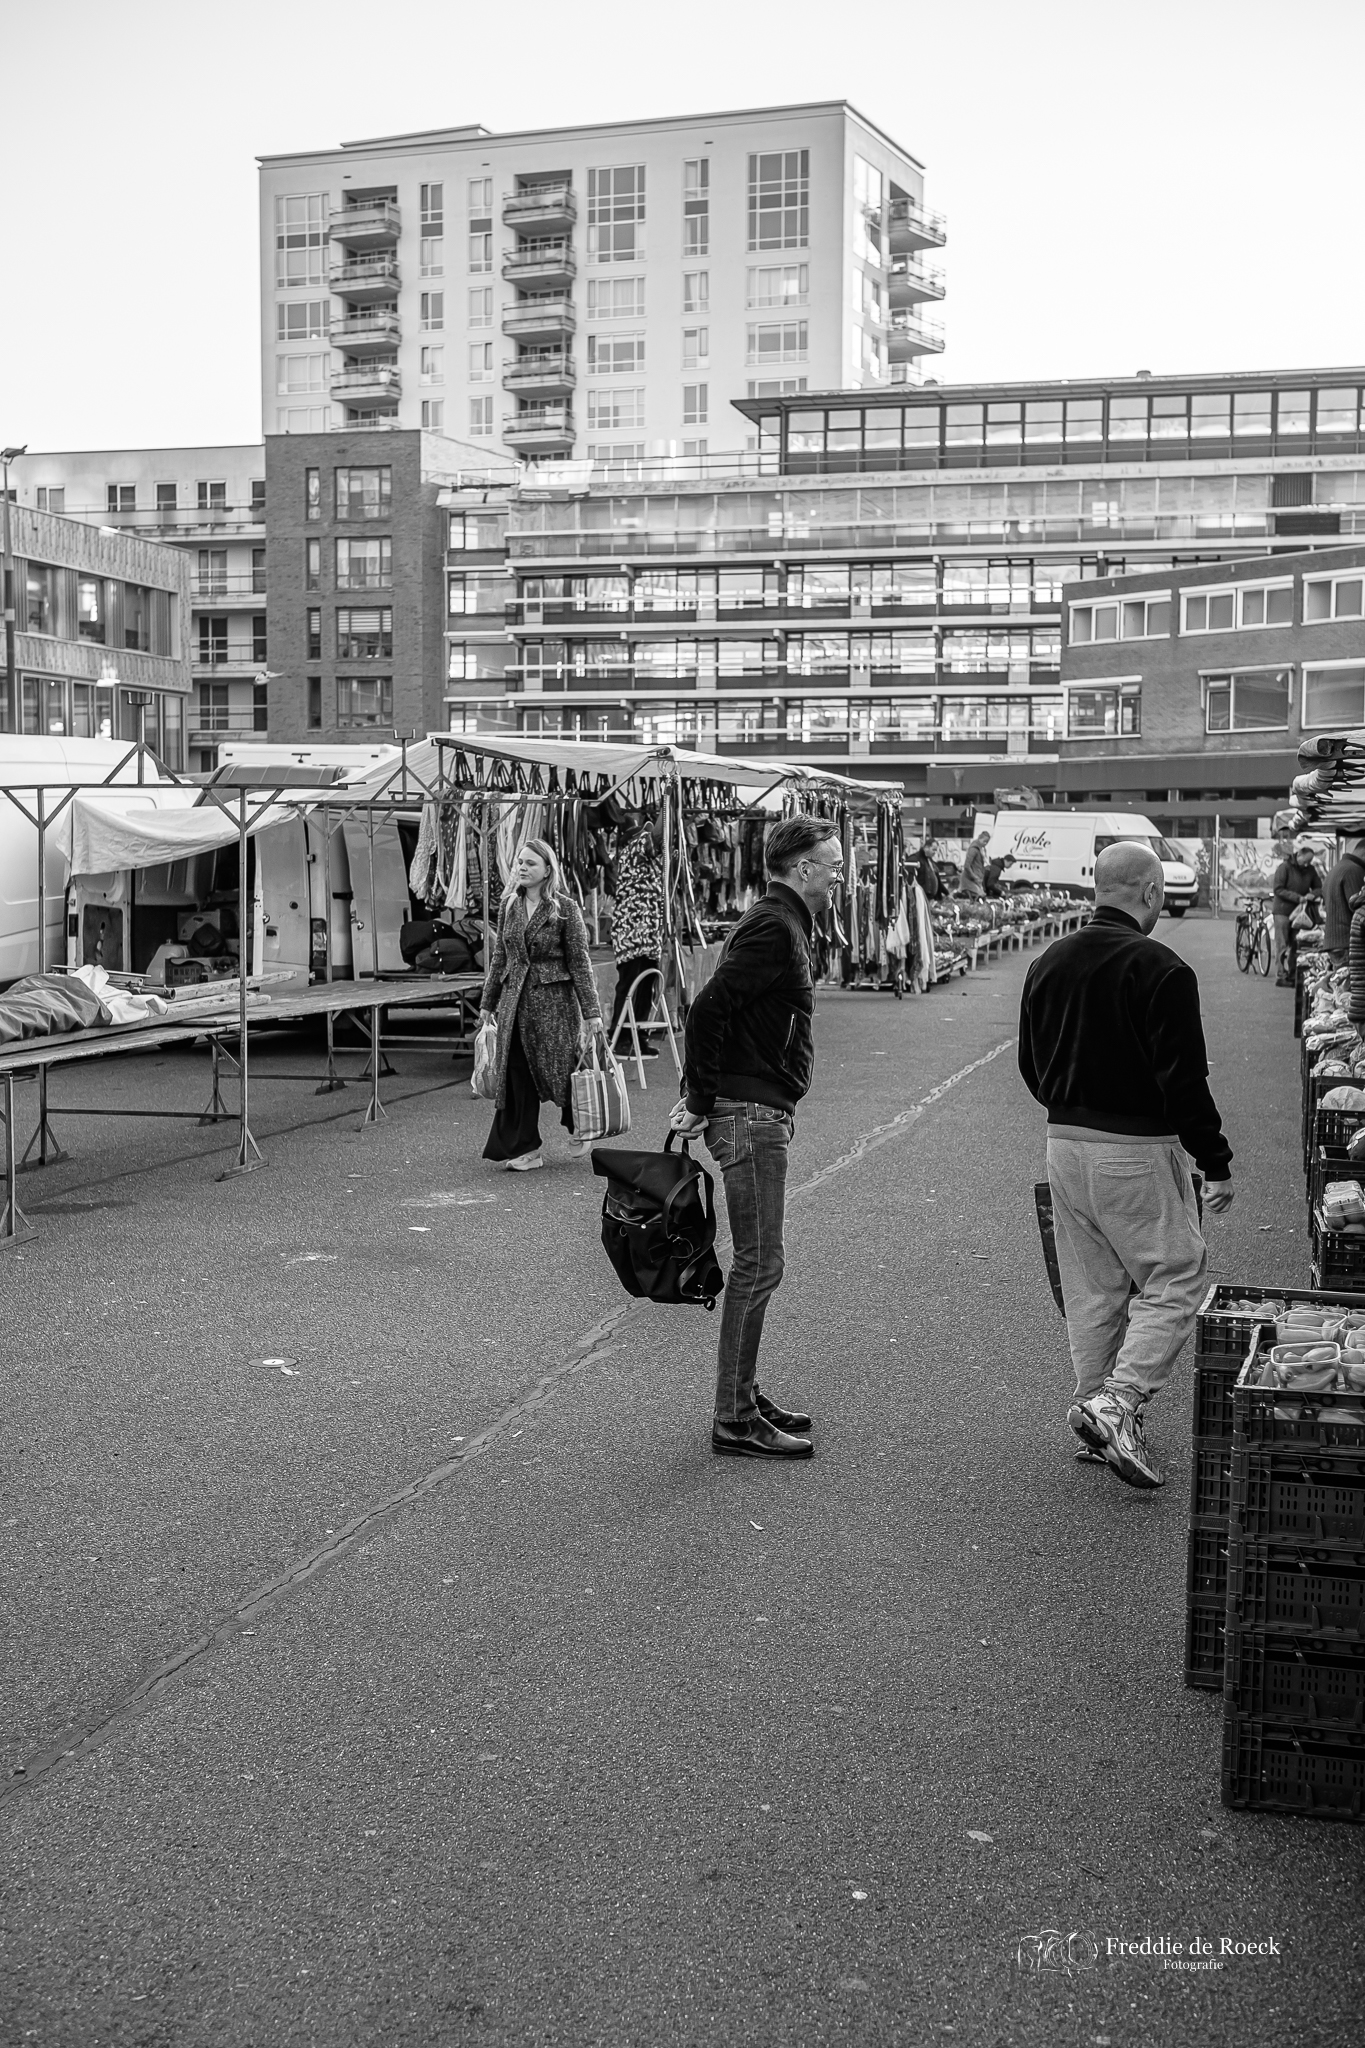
[(388, 1661)]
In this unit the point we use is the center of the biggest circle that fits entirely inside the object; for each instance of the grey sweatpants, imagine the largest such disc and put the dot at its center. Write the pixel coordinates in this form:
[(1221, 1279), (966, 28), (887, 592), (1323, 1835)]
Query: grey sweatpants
[(1125, 1213)]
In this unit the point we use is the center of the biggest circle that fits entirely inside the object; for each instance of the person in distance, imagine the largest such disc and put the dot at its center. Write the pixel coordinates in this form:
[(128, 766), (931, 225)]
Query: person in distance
[(749, 1057), (1112, 1044), (1294, 882)]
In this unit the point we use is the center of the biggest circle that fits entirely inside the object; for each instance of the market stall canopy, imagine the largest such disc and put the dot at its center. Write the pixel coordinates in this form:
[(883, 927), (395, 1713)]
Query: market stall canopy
[(102, 831), (622, 763)]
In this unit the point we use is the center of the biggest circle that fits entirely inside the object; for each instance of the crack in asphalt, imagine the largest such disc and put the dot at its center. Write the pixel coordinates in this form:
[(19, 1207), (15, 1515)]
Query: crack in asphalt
[(589, 1348)]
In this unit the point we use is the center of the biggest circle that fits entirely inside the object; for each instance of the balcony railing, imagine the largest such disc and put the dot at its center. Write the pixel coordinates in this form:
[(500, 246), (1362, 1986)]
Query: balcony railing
[(219, 589), (358, 227), (218, 723), (382, 380), (542, 423), (912, 226), (365, 276), (540, 316), (222, 521), (907, 336), (540, 370), (911, 280), (377, 422), (240, 661), (540, 205), (553, 257), (366, 330)]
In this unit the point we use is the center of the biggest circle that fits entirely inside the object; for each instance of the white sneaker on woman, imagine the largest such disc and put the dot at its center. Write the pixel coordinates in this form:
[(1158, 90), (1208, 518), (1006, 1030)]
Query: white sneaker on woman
[(527, 1163)]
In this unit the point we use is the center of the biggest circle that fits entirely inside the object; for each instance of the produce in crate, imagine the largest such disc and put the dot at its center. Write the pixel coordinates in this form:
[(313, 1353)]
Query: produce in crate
[(1343, 1204)]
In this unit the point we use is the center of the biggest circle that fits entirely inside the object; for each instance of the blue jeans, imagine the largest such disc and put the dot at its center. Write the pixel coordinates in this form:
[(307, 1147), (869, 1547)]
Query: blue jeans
[(748, 1142)]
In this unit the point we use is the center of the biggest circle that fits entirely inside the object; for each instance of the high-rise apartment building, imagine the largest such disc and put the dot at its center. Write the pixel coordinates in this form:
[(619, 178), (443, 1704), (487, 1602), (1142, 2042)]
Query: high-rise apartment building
[(600, 293)]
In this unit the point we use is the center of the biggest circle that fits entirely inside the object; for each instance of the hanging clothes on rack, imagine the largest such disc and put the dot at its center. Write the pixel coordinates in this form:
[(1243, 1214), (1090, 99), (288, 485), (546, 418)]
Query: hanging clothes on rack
[(426, 854), (457, 898)]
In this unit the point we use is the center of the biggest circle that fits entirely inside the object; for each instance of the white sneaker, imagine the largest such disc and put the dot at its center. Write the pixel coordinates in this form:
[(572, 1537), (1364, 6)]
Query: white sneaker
[(1114, 1417), (527, 1163)]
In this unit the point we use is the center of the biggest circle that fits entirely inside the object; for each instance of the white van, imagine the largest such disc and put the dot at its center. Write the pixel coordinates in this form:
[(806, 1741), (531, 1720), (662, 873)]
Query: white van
[(54, 763), (1057, 849)]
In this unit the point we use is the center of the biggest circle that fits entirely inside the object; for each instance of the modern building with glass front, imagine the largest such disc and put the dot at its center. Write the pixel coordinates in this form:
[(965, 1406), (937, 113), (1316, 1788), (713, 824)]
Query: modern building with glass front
[(599, 293), (881, 581)]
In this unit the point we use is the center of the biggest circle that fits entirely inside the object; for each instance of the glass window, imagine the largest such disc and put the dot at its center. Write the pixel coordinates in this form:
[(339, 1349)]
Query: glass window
[(1255, 701), (610, 410), (315, 703), (312, 565), (616, 355), (364, 700), (481, 416), (1292, 412), (432, 366), (313, 634), (300, 238), (778, 341), (1043, 419), (695, 405), (1329, 598), (433, 206), (1337, 411), (1334, 696), (1210, 416), (617, 298), (1128, 418), (920, 427), (1104, 714), (1084, 419), (433, 315), (1004, 423), (616, 213), (363, 635), (312, 493), (1170, 416), (1251, 413), (306, 320), (431, 256), (480, 305), (480, 253), (778, 284), (696, 206), (478, 195), (364, 493), (779, 199), (364, 564), (39, 612), (433, 415), (963, 425), (90, 608)]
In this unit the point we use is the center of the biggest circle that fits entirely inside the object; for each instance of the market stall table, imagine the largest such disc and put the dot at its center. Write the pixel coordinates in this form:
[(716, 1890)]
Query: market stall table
[(33, 1059)]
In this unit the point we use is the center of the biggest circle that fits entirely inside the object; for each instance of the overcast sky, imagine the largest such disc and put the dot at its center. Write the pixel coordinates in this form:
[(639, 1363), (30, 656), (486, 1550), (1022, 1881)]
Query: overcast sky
[(1152, 186)]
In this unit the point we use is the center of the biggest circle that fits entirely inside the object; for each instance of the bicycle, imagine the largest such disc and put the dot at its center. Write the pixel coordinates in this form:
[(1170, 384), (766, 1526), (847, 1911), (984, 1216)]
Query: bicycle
[(1254, 935)]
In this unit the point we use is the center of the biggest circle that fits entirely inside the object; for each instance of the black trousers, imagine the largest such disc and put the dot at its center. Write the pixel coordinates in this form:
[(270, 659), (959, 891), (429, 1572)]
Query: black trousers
[(516, 1127), (625, 974)]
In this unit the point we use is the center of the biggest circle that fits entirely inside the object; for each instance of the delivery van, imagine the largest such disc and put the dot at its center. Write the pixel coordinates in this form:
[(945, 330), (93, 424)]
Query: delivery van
[(52, 762), (1058, 849)]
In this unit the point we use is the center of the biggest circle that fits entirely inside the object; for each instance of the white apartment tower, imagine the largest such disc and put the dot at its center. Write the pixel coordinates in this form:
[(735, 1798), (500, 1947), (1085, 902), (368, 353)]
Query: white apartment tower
[(601, 293)]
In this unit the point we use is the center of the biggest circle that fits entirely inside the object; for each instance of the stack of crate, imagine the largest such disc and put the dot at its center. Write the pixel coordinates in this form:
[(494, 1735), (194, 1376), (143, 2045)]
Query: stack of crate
[(1294, 1690), (1223, 1336)]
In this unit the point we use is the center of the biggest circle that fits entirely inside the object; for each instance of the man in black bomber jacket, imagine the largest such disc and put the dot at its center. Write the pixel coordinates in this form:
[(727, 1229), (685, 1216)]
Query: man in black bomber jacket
[(1111, 1043), (750, 1055)]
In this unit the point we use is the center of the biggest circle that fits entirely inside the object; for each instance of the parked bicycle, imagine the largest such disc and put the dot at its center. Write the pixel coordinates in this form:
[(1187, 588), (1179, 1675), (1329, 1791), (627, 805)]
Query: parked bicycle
[(1255, 937)]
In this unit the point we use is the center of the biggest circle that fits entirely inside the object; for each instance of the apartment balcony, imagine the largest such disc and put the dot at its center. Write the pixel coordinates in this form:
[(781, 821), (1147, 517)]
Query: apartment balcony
[(541, 209), (549, 319), (367, 383), (228, 593), (372, 226), (912, 226), (226, 662), (361, 279), (544, 264), (366, 333), (909, 282), (543, 370), (541, 430), (908, 337), (206, 728)]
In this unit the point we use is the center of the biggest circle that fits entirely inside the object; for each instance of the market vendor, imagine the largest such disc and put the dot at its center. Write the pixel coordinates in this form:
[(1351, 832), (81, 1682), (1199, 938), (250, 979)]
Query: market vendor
[(1295, 880), (1344, 881), (995, 872), (973, 878)]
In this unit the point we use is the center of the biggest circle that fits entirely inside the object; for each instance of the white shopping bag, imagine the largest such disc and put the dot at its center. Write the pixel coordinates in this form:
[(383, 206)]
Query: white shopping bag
[(484, 1080)]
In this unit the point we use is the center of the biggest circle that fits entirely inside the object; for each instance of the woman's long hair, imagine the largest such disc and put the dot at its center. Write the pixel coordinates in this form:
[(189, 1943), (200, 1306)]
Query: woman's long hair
[(554, 893)]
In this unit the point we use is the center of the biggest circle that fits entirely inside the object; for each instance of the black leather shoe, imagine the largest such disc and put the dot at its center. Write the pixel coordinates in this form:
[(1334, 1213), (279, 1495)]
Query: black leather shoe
[(756, 1439), (793, 1424)]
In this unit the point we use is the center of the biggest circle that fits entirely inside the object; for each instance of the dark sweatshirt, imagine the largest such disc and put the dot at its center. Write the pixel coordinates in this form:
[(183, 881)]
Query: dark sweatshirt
[(1291, 882), (1110, 1039), (1343, 882), (749, 1032)]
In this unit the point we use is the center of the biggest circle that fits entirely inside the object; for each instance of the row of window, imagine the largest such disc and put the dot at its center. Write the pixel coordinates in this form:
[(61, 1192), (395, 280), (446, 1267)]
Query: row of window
[(1017, 652), (209, 496), (1018, 583), (359, 633), (215, 648), (73, 606), (767, 287), (357, 564), (358, 701), (101, 711), (1127, 422), (1241, 607), (798, 721)]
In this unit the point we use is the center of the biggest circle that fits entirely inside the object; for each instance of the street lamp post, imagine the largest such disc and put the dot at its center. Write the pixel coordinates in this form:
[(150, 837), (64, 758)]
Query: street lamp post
[(7, 456)]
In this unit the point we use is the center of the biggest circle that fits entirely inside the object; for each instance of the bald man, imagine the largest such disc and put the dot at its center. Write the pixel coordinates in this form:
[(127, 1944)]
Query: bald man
[(1112, 1044)]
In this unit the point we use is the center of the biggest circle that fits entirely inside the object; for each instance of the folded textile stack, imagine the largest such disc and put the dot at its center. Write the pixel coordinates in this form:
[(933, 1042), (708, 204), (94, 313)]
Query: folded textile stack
[(1329, 791)]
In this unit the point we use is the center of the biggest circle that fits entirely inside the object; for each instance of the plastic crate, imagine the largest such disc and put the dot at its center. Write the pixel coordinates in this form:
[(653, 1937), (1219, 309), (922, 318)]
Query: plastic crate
[(1338, 1255), (1275, 1769), (1301, 1682), (1205, 1628), (1296, 1588), (1276, 1497), (1220, 1332), (1210, 1481), (1214, 1380), (1265, 1416), (1206, 1562), (1330, 1162)]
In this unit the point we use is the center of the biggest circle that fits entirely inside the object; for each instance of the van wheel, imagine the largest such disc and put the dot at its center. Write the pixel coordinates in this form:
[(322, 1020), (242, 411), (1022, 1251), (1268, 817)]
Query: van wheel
[(1176, 909)]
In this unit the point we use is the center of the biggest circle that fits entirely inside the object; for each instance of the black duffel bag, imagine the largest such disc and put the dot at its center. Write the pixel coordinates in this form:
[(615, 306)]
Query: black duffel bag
[(418, 934), (659, 1223)]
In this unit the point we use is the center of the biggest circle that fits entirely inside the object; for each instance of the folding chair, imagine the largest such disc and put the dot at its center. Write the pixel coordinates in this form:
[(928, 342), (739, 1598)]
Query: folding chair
[(657, 1020)]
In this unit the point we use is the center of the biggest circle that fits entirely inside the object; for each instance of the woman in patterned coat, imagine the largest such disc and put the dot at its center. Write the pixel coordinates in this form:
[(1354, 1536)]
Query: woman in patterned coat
[(541, 981)]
